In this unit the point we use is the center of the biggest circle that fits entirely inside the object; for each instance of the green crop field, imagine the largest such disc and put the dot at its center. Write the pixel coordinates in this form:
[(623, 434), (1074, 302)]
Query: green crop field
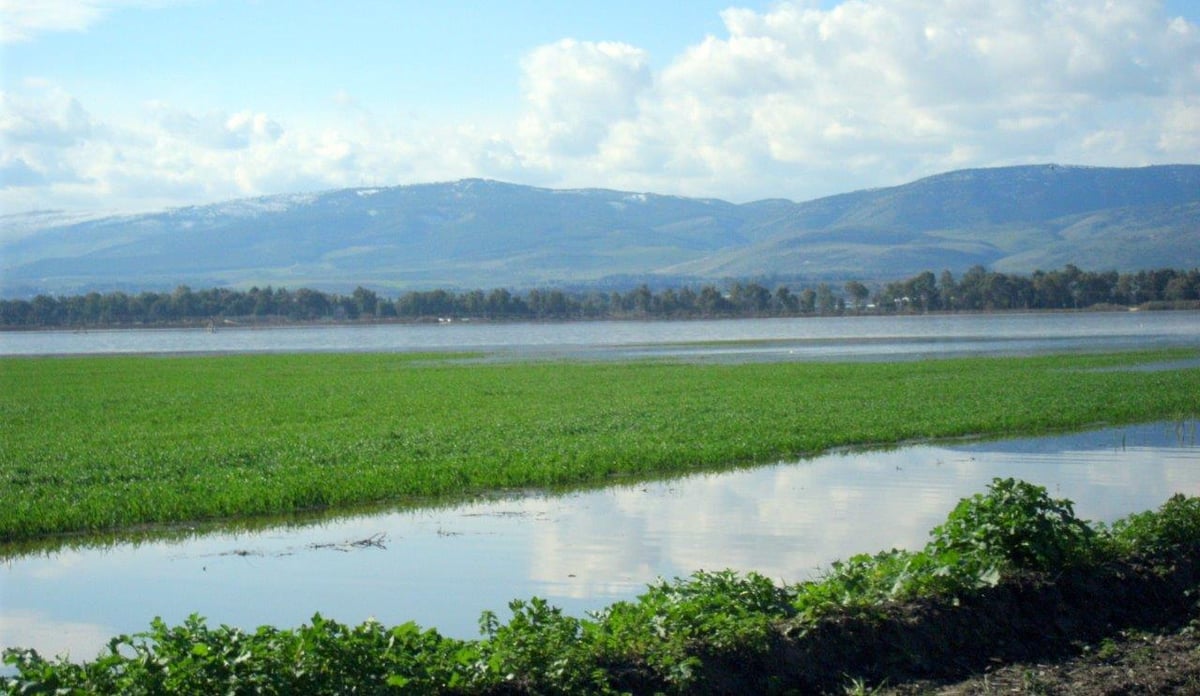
[(108, 443)]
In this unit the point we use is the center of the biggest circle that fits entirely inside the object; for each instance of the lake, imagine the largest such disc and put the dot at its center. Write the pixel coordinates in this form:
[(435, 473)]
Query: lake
[(815, 338), (582, 551)]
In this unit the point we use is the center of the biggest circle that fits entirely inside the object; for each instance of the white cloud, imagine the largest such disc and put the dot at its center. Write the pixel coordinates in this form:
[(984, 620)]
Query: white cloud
[(24, 19), (877, 92), (215, 129), (796, 101), (42, 115), (576, 91), (1180, 130)]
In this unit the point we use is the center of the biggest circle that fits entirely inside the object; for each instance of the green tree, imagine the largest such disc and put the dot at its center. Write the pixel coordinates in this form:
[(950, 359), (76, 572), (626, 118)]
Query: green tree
[(366, 301), (826, 302), (784, 302), (858, 294), (808, 301)]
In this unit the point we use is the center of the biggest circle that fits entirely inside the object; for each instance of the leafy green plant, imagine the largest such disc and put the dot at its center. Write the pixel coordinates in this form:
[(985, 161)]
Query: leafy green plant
[(539, 651), (322, 658), (864, 582), (1175, 523), (1015, 525), (675, 625)]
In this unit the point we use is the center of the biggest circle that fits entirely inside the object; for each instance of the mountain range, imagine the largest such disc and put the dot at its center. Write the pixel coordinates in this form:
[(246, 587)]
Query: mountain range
[(487, 234)]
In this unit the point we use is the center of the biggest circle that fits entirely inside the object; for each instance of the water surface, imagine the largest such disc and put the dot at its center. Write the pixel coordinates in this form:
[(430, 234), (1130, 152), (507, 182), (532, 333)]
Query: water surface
[(869, 337)]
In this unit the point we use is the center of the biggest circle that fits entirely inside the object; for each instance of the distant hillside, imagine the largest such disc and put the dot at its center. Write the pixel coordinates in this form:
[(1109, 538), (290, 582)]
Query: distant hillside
[(1013, 219), (477, 233)]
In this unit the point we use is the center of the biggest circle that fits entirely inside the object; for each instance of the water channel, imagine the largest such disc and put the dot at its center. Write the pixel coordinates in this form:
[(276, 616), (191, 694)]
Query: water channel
[(442, 567)]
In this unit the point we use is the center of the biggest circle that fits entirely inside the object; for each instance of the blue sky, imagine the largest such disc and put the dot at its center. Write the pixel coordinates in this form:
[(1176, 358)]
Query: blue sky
[(143, 104)]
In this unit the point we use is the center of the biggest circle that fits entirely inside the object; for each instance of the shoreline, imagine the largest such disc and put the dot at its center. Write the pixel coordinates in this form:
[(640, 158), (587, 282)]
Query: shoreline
[(284, 323)]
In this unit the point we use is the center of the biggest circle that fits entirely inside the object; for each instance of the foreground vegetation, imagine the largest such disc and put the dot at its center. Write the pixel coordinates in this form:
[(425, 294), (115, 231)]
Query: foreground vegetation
[(108, 443), (718, 632), (978, 289)]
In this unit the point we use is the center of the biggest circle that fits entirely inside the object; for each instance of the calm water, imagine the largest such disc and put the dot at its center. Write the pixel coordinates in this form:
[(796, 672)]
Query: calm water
[(442, 567), (769, 339)]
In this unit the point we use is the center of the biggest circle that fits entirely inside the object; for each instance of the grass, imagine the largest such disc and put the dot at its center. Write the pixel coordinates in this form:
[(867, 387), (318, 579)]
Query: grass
[(106, 443)]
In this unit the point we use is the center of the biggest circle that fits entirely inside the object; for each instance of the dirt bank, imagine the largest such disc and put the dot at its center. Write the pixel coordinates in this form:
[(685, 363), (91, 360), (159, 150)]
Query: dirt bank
[(1133, 662), (1118, 629)]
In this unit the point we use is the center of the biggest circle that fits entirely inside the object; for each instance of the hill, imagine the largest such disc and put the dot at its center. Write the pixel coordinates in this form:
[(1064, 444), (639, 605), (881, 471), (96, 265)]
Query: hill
[(479, 233)]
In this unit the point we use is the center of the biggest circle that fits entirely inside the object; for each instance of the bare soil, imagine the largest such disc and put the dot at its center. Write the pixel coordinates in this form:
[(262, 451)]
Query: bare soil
[(1124, 628), (1133, 662)]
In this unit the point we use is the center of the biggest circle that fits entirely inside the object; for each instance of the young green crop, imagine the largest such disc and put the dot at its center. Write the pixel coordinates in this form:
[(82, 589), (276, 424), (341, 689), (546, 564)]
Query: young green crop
[(108, 443)]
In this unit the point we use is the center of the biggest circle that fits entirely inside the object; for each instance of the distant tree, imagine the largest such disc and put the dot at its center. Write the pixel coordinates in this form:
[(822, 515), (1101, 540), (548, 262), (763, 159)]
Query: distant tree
[(500, 303), (1179, 288), (184, 304), (16, 313), (474, 303), (366, 301), (826, 302), (639, 301), (595, 305), (666, 303), (947, 291), (858, 293), (978, 289), (808, 300), (922, 290), (784, 302), (711, 302), (310, 304), (686, 301)]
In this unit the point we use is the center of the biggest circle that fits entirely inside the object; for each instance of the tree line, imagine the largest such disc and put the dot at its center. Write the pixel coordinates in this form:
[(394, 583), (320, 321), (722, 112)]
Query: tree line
[(978, 289)]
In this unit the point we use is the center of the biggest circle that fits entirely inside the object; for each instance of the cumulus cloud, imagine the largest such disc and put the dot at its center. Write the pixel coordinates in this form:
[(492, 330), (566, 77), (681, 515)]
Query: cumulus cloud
[(40, 128), (796, 101), (42, 115), (803, 101), (577, 90), (215, 129)]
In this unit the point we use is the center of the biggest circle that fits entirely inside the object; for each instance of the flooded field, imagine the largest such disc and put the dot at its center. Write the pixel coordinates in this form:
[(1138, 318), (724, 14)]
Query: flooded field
[(442, 567), (811, 338)]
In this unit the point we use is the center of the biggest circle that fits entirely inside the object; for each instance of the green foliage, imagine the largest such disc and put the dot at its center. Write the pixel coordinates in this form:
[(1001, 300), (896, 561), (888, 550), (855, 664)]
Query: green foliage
[(322, 658), (105, 443), (978, 289), (674, 625), (670, 636), (1015, 525), (1175, 523), (539, 651), (864, 582)]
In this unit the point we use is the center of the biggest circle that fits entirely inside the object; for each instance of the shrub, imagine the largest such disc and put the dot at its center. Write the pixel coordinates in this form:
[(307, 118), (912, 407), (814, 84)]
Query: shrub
[(1175, 523), (1016, 525)]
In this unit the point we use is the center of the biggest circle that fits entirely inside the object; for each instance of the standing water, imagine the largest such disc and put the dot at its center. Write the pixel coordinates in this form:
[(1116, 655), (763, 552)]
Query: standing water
[(869, 337)]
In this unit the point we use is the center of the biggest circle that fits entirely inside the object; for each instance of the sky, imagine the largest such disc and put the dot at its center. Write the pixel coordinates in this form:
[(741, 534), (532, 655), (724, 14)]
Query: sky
[(134, 105)]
